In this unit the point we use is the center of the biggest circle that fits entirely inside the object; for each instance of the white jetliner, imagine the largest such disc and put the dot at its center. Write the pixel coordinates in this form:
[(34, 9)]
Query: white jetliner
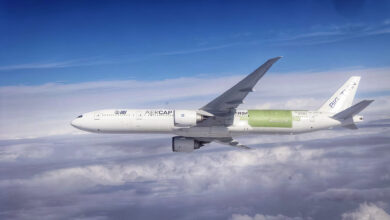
[(220, 120)]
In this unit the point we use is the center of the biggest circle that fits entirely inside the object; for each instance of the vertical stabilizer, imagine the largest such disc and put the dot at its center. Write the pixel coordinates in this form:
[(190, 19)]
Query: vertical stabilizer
[(343, 98)]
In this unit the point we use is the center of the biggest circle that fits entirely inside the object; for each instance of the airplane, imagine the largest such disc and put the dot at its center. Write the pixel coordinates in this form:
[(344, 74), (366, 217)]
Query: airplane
[(221, 121)]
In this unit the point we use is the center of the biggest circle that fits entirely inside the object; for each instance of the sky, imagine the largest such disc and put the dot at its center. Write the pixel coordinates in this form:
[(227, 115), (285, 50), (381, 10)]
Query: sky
[(80, 41), (61, 59)]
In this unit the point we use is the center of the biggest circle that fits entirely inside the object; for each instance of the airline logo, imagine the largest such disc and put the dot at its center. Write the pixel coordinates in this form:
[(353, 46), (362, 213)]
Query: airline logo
[(158, 112), (123, 112), (333, 103)]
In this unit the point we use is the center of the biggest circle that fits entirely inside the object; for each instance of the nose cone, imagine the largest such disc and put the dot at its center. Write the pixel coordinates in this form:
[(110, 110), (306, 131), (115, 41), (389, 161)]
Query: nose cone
[(83, 124), (76, 123)]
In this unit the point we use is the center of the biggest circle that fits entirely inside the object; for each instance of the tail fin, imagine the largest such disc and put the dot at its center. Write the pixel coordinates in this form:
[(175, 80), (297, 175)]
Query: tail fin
[(343, 98)]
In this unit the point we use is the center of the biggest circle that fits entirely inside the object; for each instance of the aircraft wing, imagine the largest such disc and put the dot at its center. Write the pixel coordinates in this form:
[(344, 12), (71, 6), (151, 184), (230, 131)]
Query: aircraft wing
[(224, 105), (225, 140), (231, 142), (233, 97)]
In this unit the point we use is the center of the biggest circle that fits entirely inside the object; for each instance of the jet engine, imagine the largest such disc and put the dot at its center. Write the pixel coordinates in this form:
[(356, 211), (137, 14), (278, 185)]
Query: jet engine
[(185, 118), (183, 144)]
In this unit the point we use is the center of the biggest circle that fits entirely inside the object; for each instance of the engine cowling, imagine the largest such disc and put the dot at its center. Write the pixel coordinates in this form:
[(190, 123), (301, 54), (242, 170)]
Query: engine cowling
[(357, 118), (184, 118), (183, 144)]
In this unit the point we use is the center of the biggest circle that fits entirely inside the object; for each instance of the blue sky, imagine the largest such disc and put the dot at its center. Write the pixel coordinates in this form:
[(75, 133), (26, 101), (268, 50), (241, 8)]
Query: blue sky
[(79, 41)]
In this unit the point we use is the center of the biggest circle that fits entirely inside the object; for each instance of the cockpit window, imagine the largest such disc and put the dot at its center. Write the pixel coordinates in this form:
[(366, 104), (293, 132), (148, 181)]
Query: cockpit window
[(80, 116)]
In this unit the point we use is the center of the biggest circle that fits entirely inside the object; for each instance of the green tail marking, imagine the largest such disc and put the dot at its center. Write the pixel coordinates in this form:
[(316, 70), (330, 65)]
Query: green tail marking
[(270, 118)]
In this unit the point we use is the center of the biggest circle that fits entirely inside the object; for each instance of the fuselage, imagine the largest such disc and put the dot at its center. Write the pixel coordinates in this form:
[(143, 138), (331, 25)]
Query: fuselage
[(243, 122)]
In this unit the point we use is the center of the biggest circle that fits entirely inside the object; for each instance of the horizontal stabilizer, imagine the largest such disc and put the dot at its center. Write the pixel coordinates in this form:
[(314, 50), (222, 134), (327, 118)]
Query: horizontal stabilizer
[(353, 110)]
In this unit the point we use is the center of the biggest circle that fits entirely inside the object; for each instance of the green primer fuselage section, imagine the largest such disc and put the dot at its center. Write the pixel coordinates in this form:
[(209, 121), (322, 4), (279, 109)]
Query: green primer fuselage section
[(270, 118)]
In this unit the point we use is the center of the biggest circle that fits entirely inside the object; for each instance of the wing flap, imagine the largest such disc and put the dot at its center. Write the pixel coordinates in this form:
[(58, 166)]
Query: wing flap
[(232, 142), (225, 140), (351, 126)]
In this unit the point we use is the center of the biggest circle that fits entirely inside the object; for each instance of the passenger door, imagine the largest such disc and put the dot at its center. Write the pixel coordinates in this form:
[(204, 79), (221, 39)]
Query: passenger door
[(138, 119), (97, 115)]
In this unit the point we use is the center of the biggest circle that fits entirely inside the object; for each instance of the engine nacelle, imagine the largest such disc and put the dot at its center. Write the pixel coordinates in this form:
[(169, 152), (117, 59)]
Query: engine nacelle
[(183, 144), (185, 118), (357, 118)]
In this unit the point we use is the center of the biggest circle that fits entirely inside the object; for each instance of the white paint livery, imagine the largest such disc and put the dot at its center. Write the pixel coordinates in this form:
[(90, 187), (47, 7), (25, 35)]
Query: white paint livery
[(220, 120)]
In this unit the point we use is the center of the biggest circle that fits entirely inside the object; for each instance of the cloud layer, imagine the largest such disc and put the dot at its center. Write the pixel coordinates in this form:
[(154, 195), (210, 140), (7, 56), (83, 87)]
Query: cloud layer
[(51, 171), (138, 177)]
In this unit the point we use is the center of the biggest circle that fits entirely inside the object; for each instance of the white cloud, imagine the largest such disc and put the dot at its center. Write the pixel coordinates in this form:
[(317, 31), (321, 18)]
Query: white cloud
[(23, 151), (367, 211), (322, 34), (106, 176), (196, 50), (56, 64), (263, 217), (354, 194)]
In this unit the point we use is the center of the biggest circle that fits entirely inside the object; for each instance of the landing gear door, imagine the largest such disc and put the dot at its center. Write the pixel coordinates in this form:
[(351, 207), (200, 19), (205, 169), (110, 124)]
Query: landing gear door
[(97, 115), (312, 117)]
